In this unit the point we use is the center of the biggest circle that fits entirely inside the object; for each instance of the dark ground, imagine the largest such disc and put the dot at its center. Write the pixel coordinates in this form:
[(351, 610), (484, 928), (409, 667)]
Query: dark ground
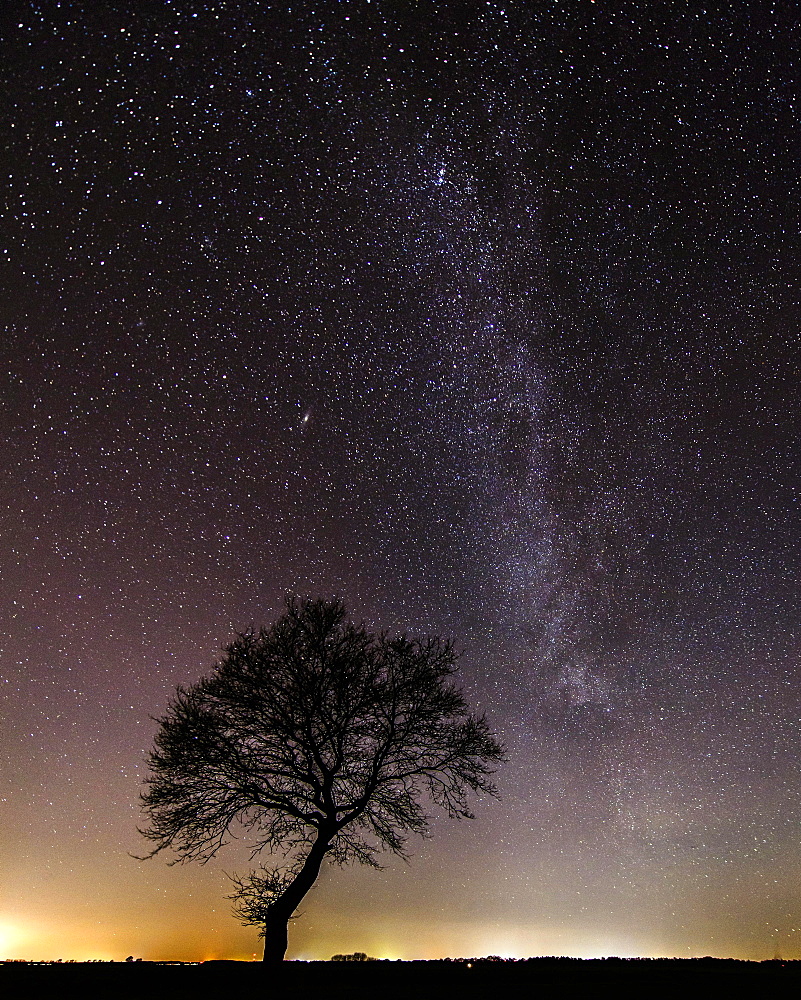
[(390, 980)]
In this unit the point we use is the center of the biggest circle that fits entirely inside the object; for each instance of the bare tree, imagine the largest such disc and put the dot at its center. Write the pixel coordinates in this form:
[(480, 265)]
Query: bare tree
[(320, 740)]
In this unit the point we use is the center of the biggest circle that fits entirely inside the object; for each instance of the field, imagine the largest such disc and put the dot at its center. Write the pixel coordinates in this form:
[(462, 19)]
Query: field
[(391, 980)]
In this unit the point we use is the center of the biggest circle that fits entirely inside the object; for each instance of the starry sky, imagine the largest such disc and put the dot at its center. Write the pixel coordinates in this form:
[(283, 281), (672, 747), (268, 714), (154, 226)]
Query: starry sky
[(483, 316)]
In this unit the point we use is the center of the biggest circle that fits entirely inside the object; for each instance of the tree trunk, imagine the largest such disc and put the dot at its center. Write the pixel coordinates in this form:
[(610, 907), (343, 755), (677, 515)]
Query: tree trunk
[(275, 939), (277, 924)]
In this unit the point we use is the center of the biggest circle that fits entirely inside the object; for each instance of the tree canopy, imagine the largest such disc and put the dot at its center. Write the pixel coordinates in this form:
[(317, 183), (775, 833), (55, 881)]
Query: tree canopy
[(316, 738)]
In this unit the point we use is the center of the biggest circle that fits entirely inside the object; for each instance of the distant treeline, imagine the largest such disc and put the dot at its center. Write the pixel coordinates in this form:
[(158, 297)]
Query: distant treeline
[(465, 978)]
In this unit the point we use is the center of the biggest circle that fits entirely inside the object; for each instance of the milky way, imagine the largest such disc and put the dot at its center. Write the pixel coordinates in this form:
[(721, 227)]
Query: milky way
[(485, 320)]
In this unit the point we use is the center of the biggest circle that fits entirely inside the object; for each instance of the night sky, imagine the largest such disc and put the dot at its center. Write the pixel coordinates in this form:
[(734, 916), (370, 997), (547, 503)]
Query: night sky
[(483, 317)]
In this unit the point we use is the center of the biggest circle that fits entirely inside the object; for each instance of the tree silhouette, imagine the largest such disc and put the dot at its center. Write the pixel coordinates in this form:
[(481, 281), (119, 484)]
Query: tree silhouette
[(319, 740)]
